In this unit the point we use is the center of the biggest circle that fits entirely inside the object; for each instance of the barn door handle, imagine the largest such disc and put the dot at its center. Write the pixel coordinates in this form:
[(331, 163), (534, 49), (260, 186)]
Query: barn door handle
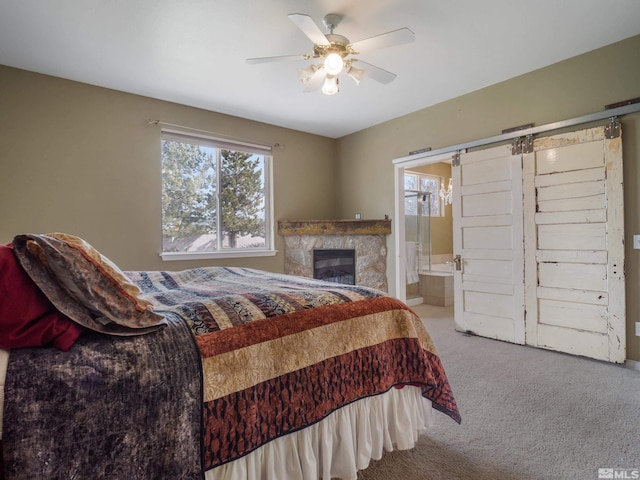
[(458, 261)]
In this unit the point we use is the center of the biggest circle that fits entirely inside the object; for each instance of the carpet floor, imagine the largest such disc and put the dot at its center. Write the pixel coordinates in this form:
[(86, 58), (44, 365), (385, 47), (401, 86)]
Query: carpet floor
[(527, 413)]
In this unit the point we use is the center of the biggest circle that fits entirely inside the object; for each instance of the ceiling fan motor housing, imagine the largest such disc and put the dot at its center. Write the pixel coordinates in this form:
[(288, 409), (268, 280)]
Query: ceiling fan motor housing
[(337, 44), (331, 20)]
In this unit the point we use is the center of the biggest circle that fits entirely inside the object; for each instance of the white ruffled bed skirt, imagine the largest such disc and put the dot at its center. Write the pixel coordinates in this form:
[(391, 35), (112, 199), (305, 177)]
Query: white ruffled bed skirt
[(341, 444)]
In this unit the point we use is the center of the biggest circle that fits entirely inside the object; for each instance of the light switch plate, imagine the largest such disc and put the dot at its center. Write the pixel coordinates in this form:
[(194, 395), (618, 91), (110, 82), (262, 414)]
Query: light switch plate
[(636, 242)]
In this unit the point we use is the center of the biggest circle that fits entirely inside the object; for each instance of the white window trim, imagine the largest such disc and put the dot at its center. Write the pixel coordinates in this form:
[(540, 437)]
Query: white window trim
[(268, 198), (441, 211), (180, 256)]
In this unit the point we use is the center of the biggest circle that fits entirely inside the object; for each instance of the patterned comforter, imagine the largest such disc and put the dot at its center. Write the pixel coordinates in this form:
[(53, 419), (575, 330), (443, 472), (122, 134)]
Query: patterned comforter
[(280, 353), (272, 354)]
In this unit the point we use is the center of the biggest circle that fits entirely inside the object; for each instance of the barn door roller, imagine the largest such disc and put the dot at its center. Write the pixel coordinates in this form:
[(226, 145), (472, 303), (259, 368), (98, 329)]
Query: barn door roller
[(612, 129), (522, 145)]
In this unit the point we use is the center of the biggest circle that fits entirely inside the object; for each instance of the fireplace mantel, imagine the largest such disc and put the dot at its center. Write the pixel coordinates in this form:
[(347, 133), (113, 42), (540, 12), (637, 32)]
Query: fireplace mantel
[(334, 227), (366, 237)]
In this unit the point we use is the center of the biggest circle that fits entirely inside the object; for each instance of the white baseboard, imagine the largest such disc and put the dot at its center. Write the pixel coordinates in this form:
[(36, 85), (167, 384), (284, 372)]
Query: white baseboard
[(412, 302), (634, 365)]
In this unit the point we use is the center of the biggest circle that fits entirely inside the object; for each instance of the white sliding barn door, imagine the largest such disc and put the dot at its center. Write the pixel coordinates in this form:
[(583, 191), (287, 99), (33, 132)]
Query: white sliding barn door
[(573, 222), (488, 237)]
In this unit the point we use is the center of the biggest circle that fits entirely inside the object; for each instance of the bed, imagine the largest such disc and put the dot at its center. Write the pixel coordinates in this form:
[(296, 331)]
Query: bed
[(216, 373)]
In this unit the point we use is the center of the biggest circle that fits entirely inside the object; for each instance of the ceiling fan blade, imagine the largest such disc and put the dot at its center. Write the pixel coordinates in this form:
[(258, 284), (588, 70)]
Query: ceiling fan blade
[(315, 82), (376, 73), (309, 28), (389, 39), (274, 59)]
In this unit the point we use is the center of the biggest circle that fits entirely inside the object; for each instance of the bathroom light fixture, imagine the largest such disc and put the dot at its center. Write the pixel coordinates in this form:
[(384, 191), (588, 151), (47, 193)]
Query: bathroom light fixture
[(446, 195)]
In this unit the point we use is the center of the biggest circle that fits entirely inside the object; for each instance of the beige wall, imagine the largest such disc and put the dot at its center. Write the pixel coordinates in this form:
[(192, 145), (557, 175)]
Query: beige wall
[(572, 88), (84, 160)]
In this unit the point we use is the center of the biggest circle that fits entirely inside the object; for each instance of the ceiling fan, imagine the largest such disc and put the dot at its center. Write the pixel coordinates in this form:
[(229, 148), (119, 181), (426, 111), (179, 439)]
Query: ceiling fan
[(336, 54)]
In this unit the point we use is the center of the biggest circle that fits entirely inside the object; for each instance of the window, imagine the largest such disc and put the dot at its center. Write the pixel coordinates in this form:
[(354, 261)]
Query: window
[(215, 198), (423, 187)]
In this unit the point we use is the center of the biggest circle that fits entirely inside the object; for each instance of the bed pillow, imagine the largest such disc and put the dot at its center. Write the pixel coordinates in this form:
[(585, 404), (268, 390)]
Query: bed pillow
[(108, 269), (85, 285), (27, 317)]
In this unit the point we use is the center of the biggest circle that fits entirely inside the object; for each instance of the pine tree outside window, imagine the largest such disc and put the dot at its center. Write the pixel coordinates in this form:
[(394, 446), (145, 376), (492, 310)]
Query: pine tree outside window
[(216, 198)]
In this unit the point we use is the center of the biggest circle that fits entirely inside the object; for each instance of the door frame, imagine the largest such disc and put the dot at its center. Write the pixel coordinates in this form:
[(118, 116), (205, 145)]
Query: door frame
[(399, 236)]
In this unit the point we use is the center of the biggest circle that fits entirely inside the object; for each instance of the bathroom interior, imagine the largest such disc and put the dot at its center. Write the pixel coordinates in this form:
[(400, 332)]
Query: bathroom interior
[(429, 235)]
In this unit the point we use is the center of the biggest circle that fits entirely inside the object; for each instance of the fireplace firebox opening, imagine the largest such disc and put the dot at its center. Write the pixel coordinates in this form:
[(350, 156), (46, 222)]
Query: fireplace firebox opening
[(335, 265)]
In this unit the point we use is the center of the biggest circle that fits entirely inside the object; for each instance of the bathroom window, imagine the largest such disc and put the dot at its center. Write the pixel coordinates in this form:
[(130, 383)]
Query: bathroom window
[(422, 187)]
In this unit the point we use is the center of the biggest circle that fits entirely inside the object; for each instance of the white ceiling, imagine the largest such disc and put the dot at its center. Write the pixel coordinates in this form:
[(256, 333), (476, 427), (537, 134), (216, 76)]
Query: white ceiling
[(193, 51)]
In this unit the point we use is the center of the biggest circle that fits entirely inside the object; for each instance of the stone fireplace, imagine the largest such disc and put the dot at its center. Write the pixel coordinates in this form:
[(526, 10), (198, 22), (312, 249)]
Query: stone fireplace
[(367, 238)]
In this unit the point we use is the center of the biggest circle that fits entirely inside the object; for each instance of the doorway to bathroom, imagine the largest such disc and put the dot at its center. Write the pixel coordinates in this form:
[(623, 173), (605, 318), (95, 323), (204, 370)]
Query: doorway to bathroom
[(428, 238)]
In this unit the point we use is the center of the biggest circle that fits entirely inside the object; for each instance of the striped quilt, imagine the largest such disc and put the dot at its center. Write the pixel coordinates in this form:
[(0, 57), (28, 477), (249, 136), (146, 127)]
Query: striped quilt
[(280, 353)]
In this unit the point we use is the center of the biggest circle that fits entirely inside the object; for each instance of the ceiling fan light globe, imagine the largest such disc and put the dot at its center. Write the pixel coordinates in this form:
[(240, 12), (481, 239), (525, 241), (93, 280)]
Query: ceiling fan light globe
[(330, 86), (307, 73), (333, 64), (356, 74)]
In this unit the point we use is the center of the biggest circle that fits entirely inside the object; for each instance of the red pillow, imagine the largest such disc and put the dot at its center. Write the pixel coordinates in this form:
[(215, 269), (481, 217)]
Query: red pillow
[(27, 317)]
